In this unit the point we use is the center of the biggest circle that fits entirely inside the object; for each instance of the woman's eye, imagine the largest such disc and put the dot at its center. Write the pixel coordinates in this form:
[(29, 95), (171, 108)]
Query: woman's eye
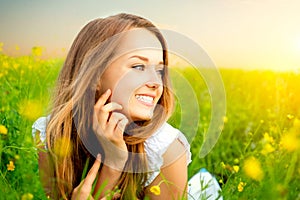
[(139, 67), (160, 72)]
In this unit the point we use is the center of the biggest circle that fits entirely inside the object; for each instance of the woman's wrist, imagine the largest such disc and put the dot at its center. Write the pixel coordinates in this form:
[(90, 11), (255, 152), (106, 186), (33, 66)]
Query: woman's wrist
[(116, 159), (110, 171)]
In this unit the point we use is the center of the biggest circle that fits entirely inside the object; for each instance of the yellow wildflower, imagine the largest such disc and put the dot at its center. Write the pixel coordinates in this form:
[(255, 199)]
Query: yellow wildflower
[(1, 45), (290, 141), (268, 138), (16, 65), (252, 168), (241, 186), (27, 196), (289, 116), (3, 130), (36, 51), (236, 160), (5, 64), (62, 147), (31, 109), (225, 119), (155, 189), (236, 168), (17, 47), (223, 165), (296, 126), (10, 166), (17, 157), (268, 148)]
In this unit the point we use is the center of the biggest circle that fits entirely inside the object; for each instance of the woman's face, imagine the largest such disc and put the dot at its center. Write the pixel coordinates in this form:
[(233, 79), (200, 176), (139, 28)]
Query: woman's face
[(135, 77)]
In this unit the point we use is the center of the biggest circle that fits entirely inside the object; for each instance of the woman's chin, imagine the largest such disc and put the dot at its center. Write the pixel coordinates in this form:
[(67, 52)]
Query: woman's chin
[(145, 116)]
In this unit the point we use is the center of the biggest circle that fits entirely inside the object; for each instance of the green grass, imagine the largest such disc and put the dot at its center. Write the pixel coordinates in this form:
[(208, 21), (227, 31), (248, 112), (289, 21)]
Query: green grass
[(258, 102)]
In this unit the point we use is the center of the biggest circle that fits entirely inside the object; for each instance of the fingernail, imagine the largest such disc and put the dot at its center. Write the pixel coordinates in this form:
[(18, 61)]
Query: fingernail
[(98, 157), (107, 91)]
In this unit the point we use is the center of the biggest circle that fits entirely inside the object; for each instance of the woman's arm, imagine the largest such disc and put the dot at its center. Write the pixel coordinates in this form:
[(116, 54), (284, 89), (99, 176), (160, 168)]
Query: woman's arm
[(172, 180), (108, 178), (45, 170)]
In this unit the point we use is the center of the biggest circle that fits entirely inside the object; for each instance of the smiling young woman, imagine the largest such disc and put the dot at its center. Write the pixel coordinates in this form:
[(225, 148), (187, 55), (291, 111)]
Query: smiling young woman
[(113, 98), (109, 117)]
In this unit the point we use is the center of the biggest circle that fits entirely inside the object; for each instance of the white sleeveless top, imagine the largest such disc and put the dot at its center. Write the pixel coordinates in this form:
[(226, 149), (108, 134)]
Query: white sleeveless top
[(155, 146)]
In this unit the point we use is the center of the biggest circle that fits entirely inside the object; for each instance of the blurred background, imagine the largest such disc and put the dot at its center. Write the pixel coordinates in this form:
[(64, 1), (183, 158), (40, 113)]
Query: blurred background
[(248, 34)]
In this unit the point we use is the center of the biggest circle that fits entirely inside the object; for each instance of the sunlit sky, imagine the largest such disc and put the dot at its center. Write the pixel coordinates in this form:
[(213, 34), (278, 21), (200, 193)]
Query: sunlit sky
[(247, 34)]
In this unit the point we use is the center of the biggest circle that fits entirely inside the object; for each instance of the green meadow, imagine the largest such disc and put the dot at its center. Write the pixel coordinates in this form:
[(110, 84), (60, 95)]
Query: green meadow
[(257, 155)]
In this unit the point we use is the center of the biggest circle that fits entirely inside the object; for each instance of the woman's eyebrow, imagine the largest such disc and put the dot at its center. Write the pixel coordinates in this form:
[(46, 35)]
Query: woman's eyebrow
[(144, 59)]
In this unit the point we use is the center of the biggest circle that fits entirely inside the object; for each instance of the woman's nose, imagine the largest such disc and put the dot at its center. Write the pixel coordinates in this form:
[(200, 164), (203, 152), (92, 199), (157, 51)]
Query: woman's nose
[(154, 79), (153, 85)]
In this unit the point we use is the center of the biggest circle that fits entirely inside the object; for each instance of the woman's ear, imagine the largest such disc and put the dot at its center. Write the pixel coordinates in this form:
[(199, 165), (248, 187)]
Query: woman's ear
[(98, 86)]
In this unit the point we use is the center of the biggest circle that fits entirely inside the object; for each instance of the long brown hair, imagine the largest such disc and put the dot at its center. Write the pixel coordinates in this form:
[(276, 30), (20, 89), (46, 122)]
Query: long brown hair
[(78, 83)]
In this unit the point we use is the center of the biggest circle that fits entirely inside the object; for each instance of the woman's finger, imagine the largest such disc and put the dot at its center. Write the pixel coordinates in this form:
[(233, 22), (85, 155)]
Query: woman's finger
[(104, 113), (84, 189), (114, 119), (111, 107), (95, 123), (92, 174), (103, 98), (121, 125)]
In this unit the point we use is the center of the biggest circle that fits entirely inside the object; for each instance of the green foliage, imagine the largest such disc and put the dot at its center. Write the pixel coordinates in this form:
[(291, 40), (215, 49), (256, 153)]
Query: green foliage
[(261, 122), (25, 85)]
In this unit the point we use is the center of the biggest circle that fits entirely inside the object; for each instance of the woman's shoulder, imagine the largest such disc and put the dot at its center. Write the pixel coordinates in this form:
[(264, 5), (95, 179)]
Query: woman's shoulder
[(164, 137), (40, 126), (157, 145)]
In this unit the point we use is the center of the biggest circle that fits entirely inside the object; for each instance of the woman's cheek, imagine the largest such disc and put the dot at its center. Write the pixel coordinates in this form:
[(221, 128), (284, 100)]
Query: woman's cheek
[(124, 91)]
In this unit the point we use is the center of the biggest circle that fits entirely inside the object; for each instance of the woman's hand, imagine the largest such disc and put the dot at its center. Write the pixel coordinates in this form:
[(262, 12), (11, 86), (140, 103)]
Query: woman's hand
[(84, 189), (109, 127)]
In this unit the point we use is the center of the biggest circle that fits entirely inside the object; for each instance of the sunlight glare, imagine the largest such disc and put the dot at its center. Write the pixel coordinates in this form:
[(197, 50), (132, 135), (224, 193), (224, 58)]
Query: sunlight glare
[(297, 44)]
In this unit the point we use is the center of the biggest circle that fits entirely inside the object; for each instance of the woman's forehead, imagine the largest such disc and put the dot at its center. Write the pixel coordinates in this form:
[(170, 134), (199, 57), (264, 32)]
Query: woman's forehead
[(138, 39)]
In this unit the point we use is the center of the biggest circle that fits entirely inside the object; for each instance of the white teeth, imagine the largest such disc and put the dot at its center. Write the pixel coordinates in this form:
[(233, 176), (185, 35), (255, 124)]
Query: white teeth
[(145, 99)]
